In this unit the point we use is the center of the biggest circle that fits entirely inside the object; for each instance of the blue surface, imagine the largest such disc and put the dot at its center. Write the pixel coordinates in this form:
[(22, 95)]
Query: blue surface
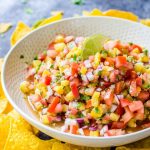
[(14, 10)]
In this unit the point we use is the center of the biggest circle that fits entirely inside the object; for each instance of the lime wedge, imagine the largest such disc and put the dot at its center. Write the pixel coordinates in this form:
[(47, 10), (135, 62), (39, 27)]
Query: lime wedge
[(92, 45)]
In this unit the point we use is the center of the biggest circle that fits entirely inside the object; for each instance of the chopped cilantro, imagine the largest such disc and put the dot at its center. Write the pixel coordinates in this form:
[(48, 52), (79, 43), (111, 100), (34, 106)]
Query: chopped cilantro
[(75, 57), (78, 2), (21, 56), (96, 110), (99, 72), (145, 51), (24, 1), (45, 52), (80, 115), (36, 58), (130, 43), (52, 66), (79, 105), (84, 97)]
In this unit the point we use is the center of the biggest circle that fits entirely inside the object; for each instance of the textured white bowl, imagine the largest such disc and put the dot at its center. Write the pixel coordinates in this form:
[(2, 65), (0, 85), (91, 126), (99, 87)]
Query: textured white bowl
[(14, 68)]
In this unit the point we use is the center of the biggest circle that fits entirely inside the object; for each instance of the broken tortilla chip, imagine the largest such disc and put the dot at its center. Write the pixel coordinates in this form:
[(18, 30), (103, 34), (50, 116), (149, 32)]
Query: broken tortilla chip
[(4, 27)]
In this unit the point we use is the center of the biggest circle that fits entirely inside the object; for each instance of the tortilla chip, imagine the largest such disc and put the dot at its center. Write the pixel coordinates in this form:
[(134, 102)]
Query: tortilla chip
[(20, 31), (145, 22), (37, 23), (4, 27), (96, 12), (57, 17), (5, 128), (3, 105), (121, 14), (85, 13), (1, 62)]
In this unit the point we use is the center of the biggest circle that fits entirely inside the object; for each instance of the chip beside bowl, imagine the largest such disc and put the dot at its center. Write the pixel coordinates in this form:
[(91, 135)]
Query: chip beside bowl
[(14, 69)]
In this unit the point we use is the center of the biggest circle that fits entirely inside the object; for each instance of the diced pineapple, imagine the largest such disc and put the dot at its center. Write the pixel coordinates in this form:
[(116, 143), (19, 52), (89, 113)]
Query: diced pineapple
[(81, 106), (97, 112), (114, 117), (59, 39), (94, 133), (139, 67), (70, 96), (95, 99), (64, 83), (59, 47), (136, 50), (36, 64), (132, 123), (105, 71), (65, 107), (46, 73), (83, 70), (24, 87), (97, 59), (43, 89), (59, 89), (144, 58), (44, 119)]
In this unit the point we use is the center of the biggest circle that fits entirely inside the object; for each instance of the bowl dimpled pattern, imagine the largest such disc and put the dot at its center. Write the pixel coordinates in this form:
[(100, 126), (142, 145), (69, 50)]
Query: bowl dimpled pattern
[(14, 69)]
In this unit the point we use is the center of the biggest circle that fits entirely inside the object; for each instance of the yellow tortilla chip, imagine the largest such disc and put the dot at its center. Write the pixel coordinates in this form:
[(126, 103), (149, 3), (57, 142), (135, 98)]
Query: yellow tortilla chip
[(121, 14), (20, 31), (53, 13), (4, 27), (5, 128), (145, 22), (57, 17), (3, 105), (96, 12), (85, 13)]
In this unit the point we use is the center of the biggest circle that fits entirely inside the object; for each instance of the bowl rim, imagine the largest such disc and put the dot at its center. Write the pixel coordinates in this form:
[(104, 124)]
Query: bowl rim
[(48, 128)]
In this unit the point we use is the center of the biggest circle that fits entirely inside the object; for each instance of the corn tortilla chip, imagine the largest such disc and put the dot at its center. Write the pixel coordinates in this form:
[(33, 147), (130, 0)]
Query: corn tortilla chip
[(3, 105), (121, 14), (96, 12), (20, 31), (4, 27)]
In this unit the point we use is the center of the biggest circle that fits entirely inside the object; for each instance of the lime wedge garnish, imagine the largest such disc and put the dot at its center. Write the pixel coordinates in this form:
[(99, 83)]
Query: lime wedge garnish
[(92, 45)]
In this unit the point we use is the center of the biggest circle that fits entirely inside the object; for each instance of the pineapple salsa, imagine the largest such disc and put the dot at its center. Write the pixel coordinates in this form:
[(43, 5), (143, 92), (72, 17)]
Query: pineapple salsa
[(92, 86)]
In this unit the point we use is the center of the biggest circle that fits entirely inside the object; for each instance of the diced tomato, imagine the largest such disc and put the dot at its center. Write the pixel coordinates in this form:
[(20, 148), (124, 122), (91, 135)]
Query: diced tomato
[(138, 81), (112, 44), (74, 68), (74, 111), (143, 96), (74, 89), (76, 81), (119, 87), (133, 74), (88, 104), (107, 84), (125, 102), (132, 47), (44, 102), (42, 56), (30, 72), (50, 99), (74, 129), (52, 53), (133, 89), (51, 46), (135, 105), (118, 125), (58, 108), (120, 110), (46, 80), (68, 39), (53, 104), (146, 125), (108, 98), (110, 60), (128, 115), (120, 61), (86, 132)]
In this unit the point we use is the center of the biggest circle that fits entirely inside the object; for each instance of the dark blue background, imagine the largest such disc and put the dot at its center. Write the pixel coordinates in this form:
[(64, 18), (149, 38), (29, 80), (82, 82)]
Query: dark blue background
[(14, 10)]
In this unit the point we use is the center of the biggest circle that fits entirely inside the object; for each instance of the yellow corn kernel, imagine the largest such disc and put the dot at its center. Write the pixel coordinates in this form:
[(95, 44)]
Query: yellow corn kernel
[(132, 123), (64, 83), (36, 63), (46, 73), (94, 133), (144, 59), (97, 59), (97, 112), (59, 47), (95, 99), (38, 105), (59, 39), (59, 89), (139, 67), (136, 50), (44, 119), (69, 96), (114, 117), (24, 87), (83, 70)]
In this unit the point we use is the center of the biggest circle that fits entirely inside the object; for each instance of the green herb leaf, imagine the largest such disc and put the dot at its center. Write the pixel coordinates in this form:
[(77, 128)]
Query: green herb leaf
[(96, 110), (92, 45), (37, 23), (78, 2), (84, 97), (145, 51)]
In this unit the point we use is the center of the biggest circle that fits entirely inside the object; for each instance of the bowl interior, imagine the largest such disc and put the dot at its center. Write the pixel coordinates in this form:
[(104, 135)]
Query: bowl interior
[(14, 68)]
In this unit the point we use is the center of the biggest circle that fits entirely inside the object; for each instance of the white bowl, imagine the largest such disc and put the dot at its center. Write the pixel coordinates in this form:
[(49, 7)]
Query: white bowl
[(14, 68)]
